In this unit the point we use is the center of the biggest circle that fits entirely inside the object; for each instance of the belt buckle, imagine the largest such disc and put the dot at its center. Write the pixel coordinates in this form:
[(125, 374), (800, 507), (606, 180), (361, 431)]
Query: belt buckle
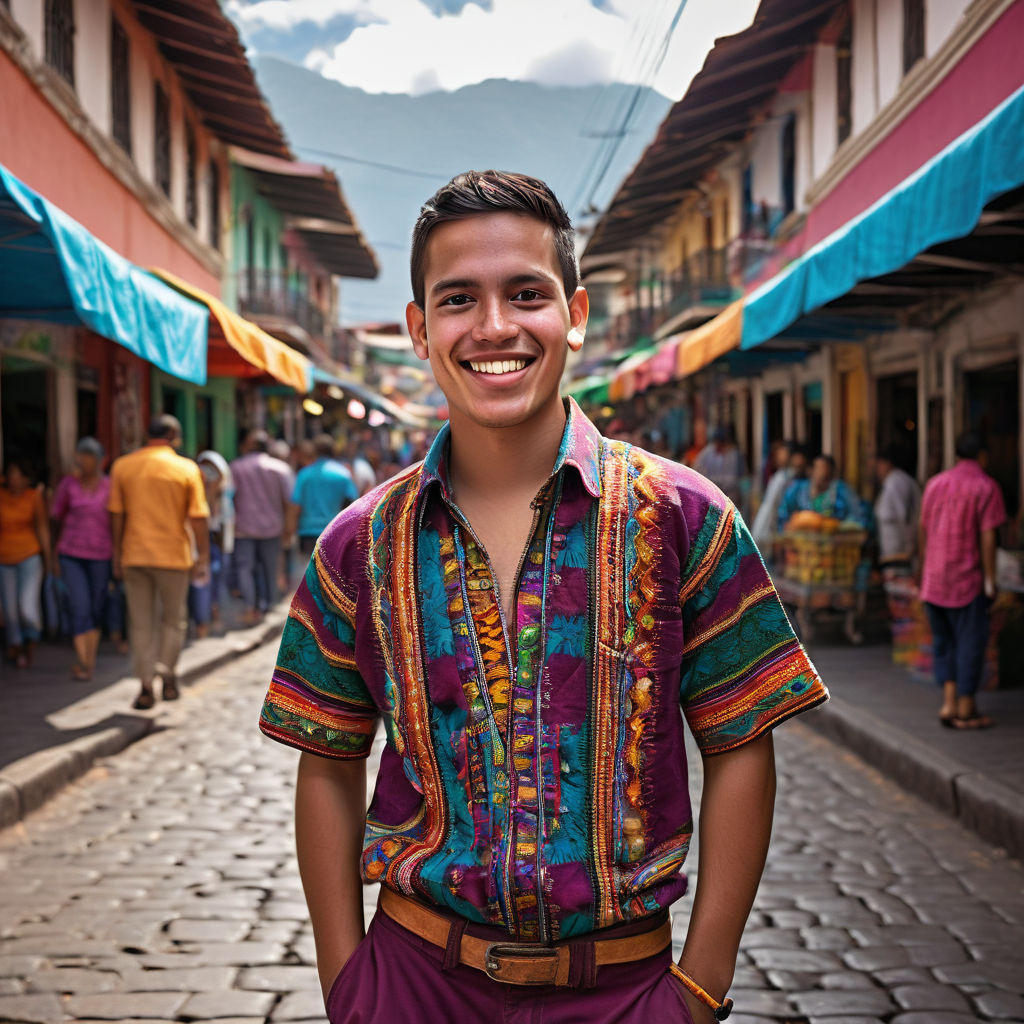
[(497, 950)]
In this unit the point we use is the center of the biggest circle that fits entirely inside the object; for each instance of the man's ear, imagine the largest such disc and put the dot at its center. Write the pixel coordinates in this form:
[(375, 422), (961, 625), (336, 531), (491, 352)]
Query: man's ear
[(579, 310), (416, 321)]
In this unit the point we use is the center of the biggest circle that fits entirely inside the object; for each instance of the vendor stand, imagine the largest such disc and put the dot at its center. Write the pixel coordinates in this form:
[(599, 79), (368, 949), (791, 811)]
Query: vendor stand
[(823, 572)]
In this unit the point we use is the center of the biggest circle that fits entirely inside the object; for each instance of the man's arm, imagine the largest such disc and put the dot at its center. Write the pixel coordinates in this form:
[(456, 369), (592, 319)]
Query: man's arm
[(201, 530), (988, 561), (330, 814), (737, 805)]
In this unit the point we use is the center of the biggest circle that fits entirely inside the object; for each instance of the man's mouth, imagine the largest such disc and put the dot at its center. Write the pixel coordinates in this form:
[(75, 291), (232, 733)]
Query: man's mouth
[(497, 366)]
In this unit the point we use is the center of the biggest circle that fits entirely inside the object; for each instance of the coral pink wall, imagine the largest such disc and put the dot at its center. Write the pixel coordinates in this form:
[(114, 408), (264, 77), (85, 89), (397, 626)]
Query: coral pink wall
[(37, 146)]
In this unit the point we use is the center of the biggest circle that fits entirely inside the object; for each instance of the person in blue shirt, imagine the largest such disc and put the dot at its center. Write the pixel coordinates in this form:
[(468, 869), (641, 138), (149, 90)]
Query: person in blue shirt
[(322, 490), (825, 493)]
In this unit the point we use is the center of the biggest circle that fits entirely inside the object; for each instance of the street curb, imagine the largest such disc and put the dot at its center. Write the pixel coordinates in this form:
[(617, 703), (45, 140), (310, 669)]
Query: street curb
[(28, 783), (988, 807)]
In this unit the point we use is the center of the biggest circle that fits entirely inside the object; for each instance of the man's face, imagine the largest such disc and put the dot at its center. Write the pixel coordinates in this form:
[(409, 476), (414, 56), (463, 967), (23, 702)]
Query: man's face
[(496, 319)]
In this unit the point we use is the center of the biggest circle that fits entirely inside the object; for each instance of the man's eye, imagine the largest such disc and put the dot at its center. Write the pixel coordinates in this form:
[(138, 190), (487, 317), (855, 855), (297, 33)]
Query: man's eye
[(527, 295), (456, 300)]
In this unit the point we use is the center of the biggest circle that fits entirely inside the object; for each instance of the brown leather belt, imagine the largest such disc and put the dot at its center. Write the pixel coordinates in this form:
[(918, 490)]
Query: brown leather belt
[(522, 963)]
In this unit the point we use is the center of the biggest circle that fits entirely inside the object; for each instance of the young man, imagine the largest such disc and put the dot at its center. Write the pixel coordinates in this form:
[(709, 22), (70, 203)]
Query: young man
[(527, 610)]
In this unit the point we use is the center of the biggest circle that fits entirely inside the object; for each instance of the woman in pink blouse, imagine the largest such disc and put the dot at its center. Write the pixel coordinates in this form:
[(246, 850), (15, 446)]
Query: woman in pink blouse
[(85, 549)]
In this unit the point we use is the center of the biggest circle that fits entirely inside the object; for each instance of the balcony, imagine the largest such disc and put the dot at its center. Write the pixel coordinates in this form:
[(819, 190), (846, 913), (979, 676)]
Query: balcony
[(273, 294), (693, 293)]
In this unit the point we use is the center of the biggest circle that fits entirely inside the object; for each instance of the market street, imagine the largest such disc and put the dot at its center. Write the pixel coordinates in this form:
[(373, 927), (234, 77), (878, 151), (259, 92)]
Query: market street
[(163, 886)]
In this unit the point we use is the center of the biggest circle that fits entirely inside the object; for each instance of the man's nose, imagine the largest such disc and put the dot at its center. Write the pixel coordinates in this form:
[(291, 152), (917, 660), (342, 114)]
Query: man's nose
[(494, 323)]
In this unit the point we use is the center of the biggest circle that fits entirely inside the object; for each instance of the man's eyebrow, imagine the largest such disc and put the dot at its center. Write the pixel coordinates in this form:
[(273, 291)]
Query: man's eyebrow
[(453, 282), (469, 282)]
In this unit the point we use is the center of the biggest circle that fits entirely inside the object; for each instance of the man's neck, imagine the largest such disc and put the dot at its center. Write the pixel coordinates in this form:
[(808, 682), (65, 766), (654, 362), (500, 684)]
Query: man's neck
[(489, 462)]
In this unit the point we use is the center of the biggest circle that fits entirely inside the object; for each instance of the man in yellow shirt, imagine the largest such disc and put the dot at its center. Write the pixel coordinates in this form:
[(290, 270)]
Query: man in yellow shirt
[(158, 512)]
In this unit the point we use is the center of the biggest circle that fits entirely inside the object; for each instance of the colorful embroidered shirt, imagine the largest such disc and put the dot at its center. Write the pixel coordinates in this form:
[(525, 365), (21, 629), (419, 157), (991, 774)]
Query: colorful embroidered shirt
[(535, 775)]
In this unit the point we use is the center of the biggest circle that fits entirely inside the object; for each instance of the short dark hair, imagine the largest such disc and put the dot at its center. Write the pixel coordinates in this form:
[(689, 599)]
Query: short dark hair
[(323, 445), (832, 464), (258, 440), (164, 427), (968, 445), (475, 192)]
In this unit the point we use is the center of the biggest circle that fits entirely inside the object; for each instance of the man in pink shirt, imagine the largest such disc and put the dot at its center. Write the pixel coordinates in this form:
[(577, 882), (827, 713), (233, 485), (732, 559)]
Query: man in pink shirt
[(961, 510)]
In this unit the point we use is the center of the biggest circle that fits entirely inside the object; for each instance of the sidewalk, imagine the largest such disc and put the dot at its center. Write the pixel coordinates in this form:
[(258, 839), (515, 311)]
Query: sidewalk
[(890, 719), (53, 728)]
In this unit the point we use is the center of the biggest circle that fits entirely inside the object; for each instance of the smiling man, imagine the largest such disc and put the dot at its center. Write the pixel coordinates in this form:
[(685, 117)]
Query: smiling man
[(533, 611)]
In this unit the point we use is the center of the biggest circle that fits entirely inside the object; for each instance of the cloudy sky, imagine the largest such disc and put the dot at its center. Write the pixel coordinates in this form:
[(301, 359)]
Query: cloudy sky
[(416, 46)]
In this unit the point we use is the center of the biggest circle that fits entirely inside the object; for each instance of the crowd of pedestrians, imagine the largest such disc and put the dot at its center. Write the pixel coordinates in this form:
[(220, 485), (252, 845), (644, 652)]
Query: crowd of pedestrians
[(165, 540)]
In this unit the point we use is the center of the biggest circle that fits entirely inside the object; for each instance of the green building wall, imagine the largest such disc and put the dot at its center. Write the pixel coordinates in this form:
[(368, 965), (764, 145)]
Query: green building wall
[(208, 414)]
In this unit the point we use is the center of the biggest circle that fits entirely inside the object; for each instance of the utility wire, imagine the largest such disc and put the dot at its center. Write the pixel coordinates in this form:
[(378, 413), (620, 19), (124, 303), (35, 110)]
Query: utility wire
[(615, 138), (373, 163)]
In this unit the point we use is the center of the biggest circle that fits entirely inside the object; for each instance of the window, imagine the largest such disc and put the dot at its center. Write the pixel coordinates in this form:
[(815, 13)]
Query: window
[(213, 186), (844, 84), (60, 38), (191, 200), (162, 138), (120, 87), (913, 33), (789, 164)]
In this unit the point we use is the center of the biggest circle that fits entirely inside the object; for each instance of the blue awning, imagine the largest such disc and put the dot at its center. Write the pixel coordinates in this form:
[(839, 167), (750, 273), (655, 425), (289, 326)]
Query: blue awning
[(939, 202), (52, 269)]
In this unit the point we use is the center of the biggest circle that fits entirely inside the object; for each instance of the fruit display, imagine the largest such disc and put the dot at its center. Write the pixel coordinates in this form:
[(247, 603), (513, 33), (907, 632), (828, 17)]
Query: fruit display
[(827, 555)]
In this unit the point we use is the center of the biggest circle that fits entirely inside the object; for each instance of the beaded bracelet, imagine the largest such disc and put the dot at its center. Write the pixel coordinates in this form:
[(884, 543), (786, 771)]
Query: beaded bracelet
[(721, 1010)]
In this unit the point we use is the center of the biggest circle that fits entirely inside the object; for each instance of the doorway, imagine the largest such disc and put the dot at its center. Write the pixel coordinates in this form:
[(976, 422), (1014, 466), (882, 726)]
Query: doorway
[(897, 418), (992, 410), (24, 413)]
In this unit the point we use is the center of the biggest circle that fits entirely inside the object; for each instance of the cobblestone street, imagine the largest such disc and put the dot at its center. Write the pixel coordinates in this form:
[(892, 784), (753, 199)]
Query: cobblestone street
[(163, 887)]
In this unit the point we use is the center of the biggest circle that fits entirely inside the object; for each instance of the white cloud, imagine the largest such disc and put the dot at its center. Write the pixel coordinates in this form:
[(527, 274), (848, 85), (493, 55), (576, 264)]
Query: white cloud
[(410, 46), (283, 15), (404, 46)]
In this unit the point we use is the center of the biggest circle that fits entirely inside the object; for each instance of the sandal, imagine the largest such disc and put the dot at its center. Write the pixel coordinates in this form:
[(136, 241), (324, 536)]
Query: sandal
[(144, 701), (946, 721), (169, 691), (80, 672), (972, 722)]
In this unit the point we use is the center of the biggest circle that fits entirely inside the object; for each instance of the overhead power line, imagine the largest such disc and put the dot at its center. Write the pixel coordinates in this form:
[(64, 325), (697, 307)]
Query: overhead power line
[(374, 163)]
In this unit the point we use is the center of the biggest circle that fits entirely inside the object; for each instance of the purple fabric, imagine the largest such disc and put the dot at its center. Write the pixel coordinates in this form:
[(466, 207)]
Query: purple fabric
[(85, 521), (263, 487), (395, 975)]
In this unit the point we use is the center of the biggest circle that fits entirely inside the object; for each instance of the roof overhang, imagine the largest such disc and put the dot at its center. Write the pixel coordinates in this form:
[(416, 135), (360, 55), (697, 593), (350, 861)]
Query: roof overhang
[(203, 46), (311, 198)]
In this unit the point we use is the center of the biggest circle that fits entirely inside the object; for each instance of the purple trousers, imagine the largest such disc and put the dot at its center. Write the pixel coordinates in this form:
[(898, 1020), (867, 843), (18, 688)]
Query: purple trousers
[(394, 975)]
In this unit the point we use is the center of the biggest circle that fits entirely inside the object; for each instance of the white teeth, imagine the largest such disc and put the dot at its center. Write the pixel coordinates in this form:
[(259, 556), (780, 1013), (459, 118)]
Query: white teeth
[(502, 366)]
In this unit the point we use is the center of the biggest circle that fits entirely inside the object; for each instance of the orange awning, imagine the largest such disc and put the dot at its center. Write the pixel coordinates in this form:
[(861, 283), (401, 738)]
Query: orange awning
[(238, 348), (706, 343)]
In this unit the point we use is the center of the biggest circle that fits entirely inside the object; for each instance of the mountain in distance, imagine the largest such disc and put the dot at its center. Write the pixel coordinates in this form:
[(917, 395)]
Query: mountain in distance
[(541, 130)]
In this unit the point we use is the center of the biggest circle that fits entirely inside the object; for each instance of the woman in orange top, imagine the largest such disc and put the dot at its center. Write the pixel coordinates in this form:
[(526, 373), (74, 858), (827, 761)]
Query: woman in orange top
[(24, 558)]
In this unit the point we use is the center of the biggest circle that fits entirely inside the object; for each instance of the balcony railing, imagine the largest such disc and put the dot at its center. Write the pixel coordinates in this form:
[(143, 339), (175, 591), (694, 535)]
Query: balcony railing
[(273, 293)]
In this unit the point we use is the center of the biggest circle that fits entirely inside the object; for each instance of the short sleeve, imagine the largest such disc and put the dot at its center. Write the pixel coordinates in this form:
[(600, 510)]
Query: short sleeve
[(993, 511), (197, 505), (317, 699), (743, 669)]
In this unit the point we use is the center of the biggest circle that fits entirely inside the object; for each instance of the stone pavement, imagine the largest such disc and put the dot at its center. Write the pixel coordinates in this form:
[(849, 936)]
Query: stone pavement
[(52, 727), (890, 718), (162, 886)]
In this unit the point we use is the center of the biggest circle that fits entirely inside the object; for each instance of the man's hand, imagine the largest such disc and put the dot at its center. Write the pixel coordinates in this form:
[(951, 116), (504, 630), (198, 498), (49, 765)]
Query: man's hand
[(115, 567), (201, 572)]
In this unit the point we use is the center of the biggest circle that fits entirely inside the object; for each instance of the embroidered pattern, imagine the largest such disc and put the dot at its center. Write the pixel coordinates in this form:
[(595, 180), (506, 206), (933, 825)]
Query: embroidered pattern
[(535, 775)]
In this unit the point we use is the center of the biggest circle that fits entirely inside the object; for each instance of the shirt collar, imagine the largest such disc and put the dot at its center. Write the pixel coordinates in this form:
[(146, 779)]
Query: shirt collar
[(580, 448)]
